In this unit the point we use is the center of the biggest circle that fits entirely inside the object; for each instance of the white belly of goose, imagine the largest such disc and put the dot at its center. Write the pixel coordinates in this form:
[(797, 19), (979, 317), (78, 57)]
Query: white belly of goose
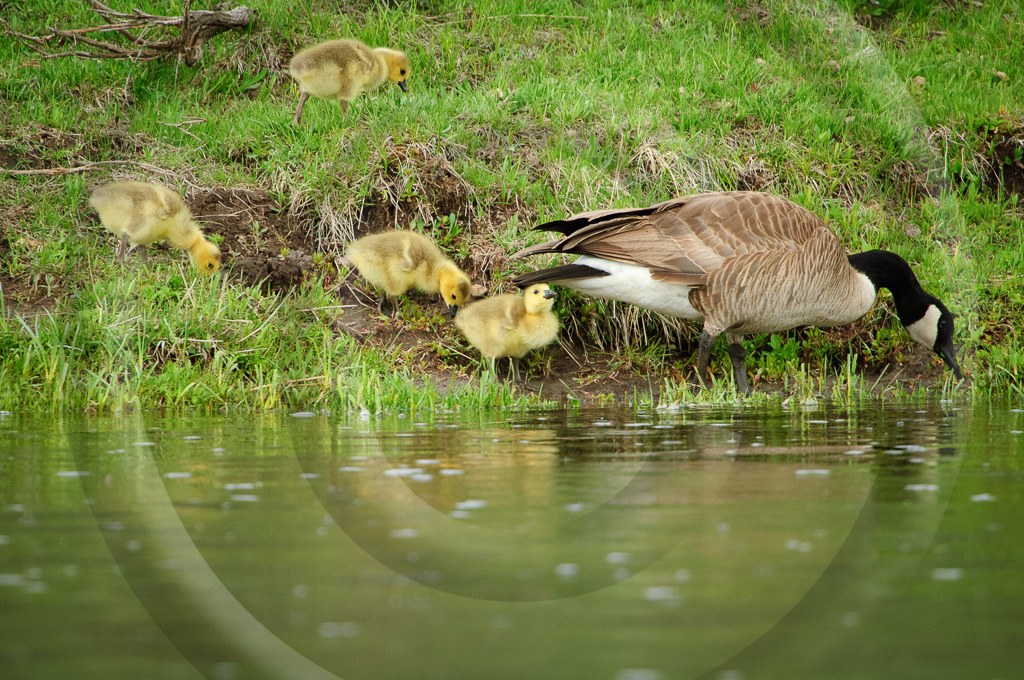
[(633, 284)]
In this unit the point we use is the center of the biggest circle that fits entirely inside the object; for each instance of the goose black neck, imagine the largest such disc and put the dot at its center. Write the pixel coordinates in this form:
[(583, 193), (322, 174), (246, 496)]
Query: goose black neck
[(889, 270)]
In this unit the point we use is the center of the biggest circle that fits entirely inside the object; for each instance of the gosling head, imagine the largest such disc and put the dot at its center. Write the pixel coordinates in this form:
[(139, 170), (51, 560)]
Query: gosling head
[(455, 288), (399, 69), (206, 255), (934, 330), (538, 298)]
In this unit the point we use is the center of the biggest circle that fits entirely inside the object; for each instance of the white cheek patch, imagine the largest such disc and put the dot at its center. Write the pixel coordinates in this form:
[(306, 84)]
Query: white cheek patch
[(926, 329)]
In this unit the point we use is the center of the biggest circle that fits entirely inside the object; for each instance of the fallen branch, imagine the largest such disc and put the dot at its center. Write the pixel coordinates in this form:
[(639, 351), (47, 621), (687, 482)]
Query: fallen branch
[(87, 166), (193, 30)]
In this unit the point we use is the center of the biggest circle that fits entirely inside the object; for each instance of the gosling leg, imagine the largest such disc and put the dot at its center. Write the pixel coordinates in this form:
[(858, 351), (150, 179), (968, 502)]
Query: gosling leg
[(739, 367), (122, 247), (302, 102), (344, 106), (516, 377), (707, 342), (384, 305)]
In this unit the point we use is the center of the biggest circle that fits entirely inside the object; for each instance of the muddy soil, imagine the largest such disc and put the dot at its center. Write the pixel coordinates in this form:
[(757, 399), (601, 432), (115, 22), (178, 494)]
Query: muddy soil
[(261, 244)]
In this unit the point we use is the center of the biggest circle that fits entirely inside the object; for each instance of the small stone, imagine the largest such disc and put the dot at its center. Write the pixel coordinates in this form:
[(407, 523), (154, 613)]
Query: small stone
[(760, 62), (1001, 77), (833, 65), (920, 81)]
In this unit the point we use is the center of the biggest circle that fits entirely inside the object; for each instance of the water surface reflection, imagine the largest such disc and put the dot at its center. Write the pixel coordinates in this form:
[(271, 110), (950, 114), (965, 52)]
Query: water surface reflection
[(587, 544)]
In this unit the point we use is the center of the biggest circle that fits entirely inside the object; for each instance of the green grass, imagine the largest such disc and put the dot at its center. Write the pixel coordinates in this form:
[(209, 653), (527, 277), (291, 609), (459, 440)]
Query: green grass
[(602, 104)]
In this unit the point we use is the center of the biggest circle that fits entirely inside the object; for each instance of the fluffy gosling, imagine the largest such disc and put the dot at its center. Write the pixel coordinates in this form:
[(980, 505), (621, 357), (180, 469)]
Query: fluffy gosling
[(144, 212), (395, 261), (511, 325), (341, 69)]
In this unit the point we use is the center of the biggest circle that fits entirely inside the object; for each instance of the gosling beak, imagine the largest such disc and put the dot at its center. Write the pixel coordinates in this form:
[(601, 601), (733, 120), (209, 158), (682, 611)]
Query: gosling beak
[(452, 309), (948, 354), (401, 84), (548, 294)]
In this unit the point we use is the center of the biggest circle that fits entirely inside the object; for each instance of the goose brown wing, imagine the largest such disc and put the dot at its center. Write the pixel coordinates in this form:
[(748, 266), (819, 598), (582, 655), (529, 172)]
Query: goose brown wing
[(683, 239)]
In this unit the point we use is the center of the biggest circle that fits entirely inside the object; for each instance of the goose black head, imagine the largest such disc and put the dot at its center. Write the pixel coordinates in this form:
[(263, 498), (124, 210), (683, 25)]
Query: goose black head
[(923, 315), (934, 329)]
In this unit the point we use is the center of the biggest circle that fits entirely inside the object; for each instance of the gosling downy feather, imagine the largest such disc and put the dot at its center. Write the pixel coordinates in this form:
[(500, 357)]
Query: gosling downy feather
[(145, 212), (396, 261), (341, 69), (744, 262), (510, 325)]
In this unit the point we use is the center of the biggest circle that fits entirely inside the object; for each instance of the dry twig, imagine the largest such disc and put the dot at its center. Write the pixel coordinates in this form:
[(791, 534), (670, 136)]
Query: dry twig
[(194, 29)]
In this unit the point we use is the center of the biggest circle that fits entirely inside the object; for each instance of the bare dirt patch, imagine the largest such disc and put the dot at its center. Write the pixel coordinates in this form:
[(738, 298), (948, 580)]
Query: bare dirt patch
[(1006, 151), (19, 296), (261, 244)]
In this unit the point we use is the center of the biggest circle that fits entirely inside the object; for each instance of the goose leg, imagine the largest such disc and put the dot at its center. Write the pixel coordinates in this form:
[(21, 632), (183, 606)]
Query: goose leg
[(122, 247), (707, 342), (739, 365), (298, 113)]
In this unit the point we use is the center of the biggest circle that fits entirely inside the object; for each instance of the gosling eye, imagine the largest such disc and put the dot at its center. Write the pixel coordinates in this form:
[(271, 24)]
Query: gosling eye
[(402, 72)]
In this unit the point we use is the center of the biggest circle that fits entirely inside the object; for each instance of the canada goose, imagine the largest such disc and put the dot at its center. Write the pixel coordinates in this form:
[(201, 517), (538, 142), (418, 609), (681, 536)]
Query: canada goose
[(744, 262), (395, 261), (145, 212), (510, 325), (341, 69)]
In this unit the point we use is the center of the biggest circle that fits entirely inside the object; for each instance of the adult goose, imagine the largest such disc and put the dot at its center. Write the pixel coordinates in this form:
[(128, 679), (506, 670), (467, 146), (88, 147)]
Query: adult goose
[(744, 262)]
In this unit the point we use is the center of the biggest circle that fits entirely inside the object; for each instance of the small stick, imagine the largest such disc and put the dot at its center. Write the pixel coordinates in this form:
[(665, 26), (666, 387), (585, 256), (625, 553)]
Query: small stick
[(88, 166)]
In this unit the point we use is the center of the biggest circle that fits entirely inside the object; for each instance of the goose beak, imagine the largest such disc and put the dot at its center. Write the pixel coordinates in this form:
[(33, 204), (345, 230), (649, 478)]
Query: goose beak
[(401, 84), (452, 309), (948, 354), (548, 294)]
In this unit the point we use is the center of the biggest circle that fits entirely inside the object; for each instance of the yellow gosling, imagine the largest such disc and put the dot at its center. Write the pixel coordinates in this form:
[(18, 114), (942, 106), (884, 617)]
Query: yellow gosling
[(396, 261), (341, 69), (144, 212), (511, 325)]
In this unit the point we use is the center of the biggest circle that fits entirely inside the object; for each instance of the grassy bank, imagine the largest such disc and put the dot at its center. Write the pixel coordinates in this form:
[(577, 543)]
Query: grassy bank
[(900, 123)]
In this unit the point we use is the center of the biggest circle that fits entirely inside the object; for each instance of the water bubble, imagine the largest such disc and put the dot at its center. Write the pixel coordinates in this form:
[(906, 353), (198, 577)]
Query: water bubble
[(667, 594), (300, 591), (240, 486), (405, 533), (947, 574), (402, 472), (350, 468), (472, 504), (331, 630), (460, 514), (428, 461), (983, 497), (451, 471), (575, 507), (682, 575), (309, 475), (423, 477), (245, 497), (567, 570), (922, 487), (639, 674), (854, 452), (813, 473), (73, 473), (617, 558), (177, 475)]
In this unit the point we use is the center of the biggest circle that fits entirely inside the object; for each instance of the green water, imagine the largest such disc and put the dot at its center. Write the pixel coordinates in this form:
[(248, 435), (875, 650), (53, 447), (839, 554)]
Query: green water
[(723, 544)]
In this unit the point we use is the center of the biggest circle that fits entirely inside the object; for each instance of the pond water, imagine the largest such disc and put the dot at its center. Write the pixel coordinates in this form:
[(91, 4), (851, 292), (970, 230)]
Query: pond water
[(882, 542)]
